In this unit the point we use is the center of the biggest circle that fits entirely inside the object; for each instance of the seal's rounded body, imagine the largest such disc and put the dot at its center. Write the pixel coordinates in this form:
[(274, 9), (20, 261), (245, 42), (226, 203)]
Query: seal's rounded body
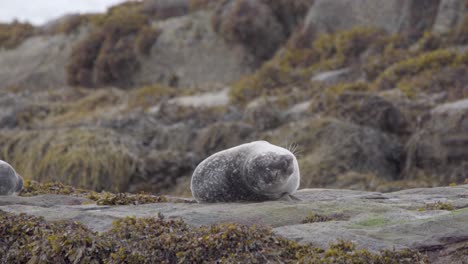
[(10, 181), (257, 171)]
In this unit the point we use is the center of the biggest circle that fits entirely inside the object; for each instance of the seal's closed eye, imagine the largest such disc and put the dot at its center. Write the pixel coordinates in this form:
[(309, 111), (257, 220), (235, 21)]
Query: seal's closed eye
[(263, 172)]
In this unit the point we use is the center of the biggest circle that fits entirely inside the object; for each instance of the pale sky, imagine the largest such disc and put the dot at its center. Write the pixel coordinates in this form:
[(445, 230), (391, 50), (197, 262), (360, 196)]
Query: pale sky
[(40, 11)]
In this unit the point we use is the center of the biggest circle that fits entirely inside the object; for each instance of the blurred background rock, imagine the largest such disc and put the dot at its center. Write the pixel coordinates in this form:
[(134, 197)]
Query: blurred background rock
[(372, 92)]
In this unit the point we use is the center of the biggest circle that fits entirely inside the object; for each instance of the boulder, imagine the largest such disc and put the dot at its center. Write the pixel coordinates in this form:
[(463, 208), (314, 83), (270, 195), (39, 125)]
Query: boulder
[(450, 15), (368, 110), (38, 63), (189, 53), (328, 148), (162, 170), (250, 23), (440, 147), (220, 136), (394, 16), (264, 113)]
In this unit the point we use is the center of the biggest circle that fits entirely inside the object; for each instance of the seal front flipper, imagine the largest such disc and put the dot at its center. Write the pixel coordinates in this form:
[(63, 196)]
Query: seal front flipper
[(289, 197)]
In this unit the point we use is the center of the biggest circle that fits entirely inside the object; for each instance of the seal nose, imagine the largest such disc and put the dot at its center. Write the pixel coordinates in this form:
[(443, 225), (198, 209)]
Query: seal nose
[(286, 162)]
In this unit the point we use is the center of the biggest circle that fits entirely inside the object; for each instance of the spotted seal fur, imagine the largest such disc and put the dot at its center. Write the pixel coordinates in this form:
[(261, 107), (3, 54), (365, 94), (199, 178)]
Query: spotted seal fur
[(10, 181), (256, 171)]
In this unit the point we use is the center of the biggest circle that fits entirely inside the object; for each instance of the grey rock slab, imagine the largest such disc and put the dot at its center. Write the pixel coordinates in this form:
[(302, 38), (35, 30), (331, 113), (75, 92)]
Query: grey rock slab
[(372, 220), (38, 63)]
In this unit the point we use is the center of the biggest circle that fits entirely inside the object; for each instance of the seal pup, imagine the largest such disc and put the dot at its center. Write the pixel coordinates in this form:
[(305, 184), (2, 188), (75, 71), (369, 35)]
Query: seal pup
[(10, 181), (256, 171)]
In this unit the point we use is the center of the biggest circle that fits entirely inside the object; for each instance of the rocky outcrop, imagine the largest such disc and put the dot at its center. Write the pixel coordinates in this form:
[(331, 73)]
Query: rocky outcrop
[(451, 14), (432, 221), (440, 148), (250, 23), (329, 148), (162, 9), (38, 63), (188, 52), (393, 16), (369, 110)]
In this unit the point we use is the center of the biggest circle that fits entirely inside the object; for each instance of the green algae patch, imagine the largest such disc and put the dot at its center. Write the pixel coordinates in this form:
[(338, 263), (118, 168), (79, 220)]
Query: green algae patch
[(372, 222), (30, 239)]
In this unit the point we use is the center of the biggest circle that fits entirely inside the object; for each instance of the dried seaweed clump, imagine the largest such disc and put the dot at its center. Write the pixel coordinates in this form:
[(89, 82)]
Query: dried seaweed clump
[(33, 188), (156, 240)]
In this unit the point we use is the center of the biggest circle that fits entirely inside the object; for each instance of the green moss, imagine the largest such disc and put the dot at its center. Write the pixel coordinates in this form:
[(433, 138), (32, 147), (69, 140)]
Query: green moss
[(347, 87), (13, 34), (449, 80), (332, 51), (372, 222), (293, 66), (270, 79), (87, 158), (433, 61), (156, 240)]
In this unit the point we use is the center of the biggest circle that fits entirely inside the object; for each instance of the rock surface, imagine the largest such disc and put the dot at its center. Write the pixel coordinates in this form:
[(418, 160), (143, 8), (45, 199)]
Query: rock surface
[(39, 62), (393, 16), (372, 220), (188, 52), (440, 147)]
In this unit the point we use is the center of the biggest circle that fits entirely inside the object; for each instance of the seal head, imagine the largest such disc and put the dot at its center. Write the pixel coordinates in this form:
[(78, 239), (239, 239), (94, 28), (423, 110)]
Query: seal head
[(10, 182), (257, 171)]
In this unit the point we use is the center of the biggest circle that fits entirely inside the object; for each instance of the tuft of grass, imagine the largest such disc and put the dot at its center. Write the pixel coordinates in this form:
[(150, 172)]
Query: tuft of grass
[(96, 159), (434, 61), (13, 34)]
